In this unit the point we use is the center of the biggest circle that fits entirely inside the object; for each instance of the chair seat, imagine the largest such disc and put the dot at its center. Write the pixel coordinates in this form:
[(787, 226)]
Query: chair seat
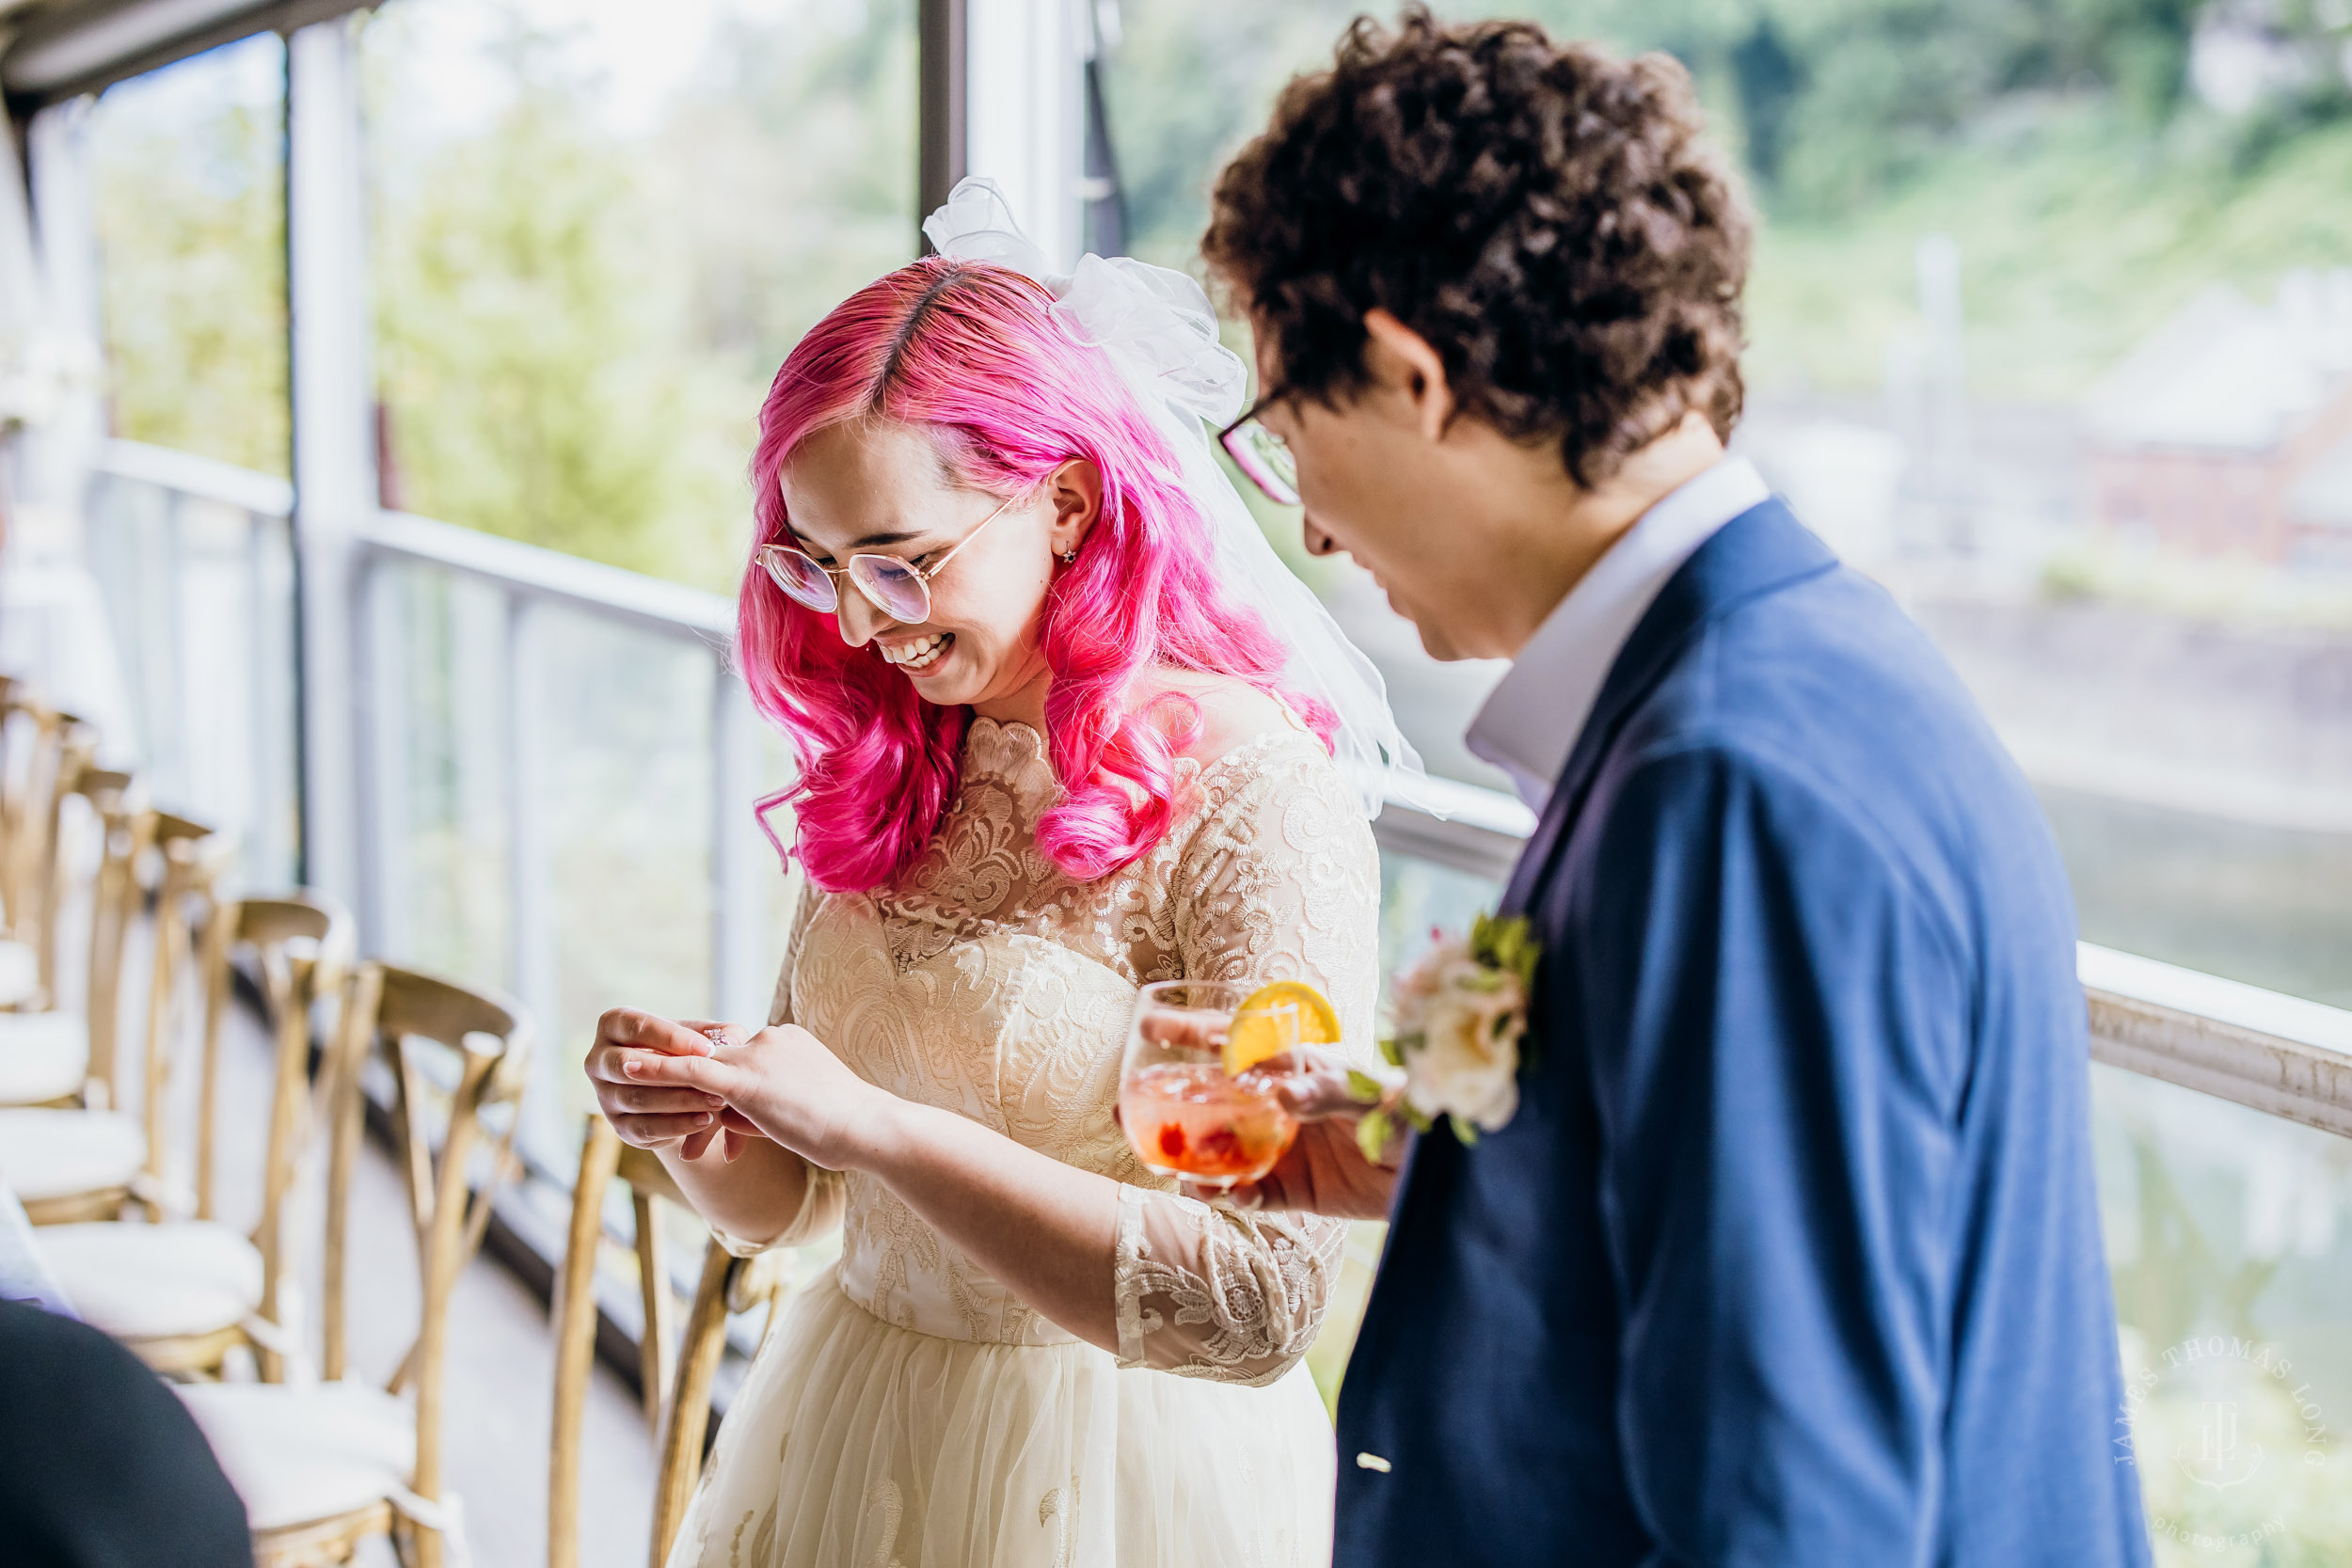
[(60, 1153), (20, 974), (43, 1056), (151, 1281), (300, 1455)]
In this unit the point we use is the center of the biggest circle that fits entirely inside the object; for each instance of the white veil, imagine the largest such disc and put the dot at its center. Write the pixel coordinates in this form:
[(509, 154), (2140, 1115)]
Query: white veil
[(1158, 330)]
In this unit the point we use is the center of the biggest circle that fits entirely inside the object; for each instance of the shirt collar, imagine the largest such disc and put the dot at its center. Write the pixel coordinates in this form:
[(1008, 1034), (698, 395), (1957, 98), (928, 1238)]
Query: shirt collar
[(1531, 719)]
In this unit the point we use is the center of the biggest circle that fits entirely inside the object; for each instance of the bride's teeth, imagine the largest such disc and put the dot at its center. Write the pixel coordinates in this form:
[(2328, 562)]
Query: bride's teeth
[(918, 655)]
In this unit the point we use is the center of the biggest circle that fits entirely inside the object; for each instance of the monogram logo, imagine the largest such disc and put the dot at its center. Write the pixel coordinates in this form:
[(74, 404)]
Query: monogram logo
[(2219, 1460), (2246, 1437)]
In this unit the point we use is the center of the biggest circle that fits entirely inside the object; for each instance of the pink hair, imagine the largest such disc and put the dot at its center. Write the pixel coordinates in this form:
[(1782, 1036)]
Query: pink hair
[(974, 353)]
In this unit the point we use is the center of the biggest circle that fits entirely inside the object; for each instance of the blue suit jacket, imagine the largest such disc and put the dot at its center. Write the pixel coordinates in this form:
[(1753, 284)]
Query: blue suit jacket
[(1791, 1256)]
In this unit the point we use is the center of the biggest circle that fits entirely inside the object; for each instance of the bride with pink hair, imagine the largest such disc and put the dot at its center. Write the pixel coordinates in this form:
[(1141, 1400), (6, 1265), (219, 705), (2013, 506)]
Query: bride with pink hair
[(1064, 728)]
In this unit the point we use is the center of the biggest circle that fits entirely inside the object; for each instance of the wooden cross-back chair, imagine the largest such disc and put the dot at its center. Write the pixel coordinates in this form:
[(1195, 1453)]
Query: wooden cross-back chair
[(40, 751), (78, 1156), (185, 1294), (678, 1407), (49, 1055), (324, 1466), (190, 860)]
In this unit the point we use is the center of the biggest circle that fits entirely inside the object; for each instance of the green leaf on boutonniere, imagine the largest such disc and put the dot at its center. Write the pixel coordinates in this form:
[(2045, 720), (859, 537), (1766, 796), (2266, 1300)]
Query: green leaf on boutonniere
[(1393, 1052), (1462, 1130), (1364, 1087), (1508, 945), (1414, 1115), (1372, 1135)]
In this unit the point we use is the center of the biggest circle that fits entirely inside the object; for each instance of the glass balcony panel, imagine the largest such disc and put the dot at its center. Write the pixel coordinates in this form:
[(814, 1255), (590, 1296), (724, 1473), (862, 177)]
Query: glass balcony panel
[(441, 819), (2270, 905), (199, 596), (2230, 1236), (624, 787)]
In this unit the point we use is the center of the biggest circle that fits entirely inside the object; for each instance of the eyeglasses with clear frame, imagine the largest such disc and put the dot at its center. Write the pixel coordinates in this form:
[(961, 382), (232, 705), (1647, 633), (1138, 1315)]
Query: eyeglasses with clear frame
[(899, 588), (1263, 455)]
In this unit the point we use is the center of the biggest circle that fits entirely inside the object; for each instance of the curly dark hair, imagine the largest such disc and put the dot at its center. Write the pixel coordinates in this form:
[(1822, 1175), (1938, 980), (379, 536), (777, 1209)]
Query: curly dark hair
[(1547, 216)]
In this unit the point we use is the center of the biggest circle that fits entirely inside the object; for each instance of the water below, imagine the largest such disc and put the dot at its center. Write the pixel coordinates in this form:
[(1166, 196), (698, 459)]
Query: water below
[(2271, 907)]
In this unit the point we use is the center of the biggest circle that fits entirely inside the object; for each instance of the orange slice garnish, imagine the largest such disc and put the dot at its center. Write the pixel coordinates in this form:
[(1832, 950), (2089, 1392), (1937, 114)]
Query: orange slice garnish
[(1264, 1026)]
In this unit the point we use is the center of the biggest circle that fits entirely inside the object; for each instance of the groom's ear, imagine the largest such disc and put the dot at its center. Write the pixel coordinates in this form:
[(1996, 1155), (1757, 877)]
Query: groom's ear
[(1400, 363)]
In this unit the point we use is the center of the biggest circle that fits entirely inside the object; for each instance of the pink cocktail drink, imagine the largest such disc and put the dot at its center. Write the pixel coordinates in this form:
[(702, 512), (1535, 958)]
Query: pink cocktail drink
[(1189, 1118)]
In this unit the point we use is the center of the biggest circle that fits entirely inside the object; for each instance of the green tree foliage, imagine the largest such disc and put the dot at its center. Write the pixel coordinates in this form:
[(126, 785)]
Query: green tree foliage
[(191, 228), (576, 325), (1832, 102), (526, 344), (1837, 98), (790, 168), (2078, 238), (1188, 82)]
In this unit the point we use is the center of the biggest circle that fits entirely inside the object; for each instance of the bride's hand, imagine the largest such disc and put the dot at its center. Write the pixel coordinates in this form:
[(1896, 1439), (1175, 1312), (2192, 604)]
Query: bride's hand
[(655, 1118), (781, 1082), (1324, 1171)]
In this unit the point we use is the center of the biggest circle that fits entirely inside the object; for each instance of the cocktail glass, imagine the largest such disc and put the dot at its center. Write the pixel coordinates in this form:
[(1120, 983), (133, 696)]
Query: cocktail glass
[(1185, 1114)]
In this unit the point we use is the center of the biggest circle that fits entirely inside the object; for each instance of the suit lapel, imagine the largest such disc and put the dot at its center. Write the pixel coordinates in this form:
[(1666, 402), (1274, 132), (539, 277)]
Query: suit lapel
[(1762, 550)]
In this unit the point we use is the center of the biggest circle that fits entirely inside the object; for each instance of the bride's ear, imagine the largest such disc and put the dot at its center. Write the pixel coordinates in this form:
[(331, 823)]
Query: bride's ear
[(1075, 489)]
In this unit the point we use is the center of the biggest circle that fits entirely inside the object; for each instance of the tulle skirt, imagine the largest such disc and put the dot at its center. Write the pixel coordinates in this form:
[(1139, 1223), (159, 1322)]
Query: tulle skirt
[(855, 1443)]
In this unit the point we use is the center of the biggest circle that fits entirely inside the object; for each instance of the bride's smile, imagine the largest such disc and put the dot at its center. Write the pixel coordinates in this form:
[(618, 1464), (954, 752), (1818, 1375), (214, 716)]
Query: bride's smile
[(918, 655)]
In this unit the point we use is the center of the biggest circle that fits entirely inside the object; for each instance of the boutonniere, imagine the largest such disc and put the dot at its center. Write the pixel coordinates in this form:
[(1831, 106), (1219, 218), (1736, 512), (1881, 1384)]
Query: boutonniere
[(1460, 1017)]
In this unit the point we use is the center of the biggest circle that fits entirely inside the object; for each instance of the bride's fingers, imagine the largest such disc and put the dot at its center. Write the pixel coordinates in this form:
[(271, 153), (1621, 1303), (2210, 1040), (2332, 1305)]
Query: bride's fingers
[(646, 1130), (628, 1027), (685, 1072), (651, 1100), (1191, 1031), (1313, 1096), (609, 1063), (1245, 1196)]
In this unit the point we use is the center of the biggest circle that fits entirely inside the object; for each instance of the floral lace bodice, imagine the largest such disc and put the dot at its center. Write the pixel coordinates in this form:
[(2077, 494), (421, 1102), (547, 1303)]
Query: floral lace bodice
[(986, 981)]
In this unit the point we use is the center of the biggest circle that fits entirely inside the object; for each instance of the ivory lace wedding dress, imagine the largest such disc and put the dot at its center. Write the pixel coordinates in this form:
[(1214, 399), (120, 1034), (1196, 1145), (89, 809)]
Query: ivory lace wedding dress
[(908, 1411)]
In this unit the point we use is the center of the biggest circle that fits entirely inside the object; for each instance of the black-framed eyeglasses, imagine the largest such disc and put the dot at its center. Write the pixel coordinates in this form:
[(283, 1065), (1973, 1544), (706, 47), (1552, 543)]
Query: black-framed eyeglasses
[(1264, 456)]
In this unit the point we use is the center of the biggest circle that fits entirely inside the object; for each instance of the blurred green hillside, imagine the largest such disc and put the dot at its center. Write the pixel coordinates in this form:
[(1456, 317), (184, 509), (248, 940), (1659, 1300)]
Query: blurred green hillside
[(2077, 236)]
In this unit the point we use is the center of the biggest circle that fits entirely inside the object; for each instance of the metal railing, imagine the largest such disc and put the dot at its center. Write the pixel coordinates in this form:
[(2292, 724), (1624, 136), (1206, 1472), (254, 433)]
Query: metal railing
[(2278, 1054)]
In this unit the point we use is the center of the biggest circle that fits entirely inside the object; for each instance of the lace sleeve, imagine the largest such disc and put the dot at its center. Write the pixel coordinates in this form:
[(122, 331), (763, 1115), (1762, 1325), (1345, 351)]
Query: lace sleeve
[(1281, 881), (820, 1206)]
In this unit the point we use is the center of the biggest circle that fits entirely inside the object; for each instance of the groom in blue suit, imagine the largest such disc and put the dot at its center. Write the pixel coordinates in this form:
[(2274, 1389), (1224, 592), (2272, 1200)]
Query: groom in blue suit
[(1787, 1255)]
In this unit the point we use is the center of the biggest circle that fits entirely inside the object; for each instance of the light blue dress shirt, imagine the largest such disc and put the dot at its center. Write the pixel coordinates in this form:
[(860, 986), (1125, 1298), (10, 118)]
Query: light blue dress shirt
[(1534, 713)]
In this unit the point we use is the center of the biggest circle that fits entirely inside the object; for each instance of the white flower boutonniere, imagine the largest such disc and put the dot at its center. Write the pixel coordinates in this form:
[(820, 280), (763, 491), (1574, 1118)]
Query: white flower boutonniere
[(1461, 1017)]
